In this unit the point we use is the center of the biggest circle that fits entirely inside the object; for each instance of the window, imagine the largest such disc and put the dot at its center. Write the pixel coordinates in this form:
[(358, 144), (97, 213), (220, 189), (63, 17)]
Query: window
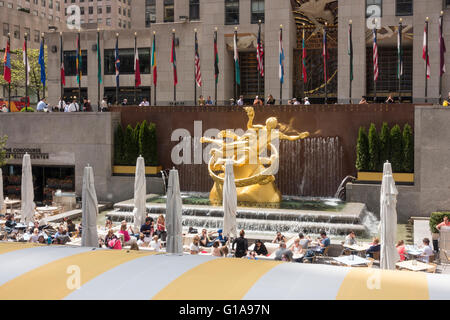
[(257, 11), (2, 4), (70, 59), (43, 3), (50, 4), (91, 10), (17, 32), (120, 10), (231, 11), (99, 10), (194, 9), (127, 61), (371, 8), (37, 36), (169, 12), (120, 23), (5, 29), (446, 4), (58, 6), (150, 12), (81, 10), (10, 5), (35, 13), (108, 21), (404, 7), (28, 32), (99, 21)]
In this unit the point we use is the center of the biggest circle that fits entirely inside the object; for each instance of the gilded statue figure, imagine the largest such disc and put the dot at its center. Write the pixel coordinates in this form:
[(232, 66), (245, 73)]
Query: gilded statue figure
[(255, 157)]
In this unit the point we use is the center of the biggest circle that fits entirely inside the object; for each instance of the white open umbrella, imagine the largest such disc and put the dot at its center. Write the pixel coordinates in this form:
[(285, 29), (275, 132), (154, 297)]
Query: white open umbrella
[(388, 216), (89, 236), (174, 210), (229, 201), (2, 200), (139, 194), (27, 192)]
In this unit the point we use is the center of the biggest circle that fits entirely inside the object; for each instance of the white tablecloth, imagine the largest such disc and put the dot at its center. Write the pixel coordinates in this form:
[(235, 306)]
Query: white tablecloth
[(351, 260)]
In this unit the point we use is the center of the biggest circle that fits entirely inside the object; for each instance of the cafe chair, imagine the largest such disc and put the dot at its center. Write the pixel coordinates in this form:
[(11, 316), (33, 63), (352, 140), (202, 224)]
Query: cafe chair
[(432, 268), (445, 262)]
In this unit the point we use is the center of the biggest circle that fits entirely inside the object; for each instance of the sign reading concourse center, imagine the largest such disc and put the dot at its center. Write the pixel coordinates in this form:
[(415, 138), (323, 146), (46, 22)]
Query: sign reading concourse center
[(18, 153)]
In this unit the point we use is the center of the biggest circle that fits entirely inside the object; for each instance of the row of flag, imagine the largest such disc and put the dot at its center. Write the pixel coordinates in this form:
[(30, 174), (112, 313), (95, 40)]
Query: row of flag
[(7, 62)]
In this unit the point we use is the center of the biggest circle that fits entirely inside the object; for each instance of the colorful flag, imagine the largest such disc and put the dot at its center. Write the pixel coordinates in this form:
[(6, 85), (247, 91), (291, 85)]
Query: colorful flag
[(375, 55), (7, 63), (305, 75), (42, 62), (63, 73), (153, 62), (173, 60), (236, 60), (26, 63), (198, 74), (117, 63), (99, 60), (399, 52), (260, 53), (442, 47), (350, 50), (425, 55), (137, 69), (79, 60), (281, 53), (216, 59), (325, 55)]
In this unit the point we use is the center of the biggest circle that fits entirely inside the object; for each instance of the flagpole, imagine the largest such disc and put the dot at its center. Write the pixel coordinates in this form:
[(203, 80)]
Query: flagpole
[(26, 66), (9, 83), (400, 28), (135, 84), (426, 60), (79, 68), (61, 64), (215, 61), (99, 69), (350, 78), (281, 82), (43, 53), (375, 78), (235, 75), (154, 82), (117, 82), (259, 71), (441, 38), (325, 61), (195, 77), (173, 65)]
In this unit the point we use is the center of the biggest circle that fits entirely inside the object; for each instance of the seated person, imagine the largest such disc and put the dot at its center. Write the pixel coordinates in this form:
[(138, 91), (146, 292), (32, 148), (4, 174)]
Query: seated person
[(141, 242), (108, 224), (71, 227), (156, 243), (111, 240), (251, 255), (324, 242), (375, 247), (147, 229), (401, 249), (220, 237), (260, 248), (350, 239), (127, 239), (427, 251), (10, 224), (195, 245), (304, 241), (215, 249), (63, 237), (282, 251), (205, 240), (285, 257), (279, 238), (35, 236)]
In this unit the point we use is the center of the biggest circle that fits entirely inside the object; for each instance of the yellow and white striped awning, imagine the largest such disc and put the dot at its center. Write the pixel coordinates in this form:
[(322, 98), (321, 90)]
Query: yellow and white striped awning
[(31, 271)]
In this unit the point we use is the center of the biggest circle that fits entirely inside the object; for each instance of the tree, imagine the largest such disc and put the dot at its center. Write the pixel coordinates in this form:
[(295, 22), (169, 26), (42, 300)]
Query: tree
[(148, 143), (130, 147), (153, 144), (362, 150), (18, 72), (408, 149), (119, 150), (374, 149), (2, 150), (385, 144), (396, 149), (136, 136)]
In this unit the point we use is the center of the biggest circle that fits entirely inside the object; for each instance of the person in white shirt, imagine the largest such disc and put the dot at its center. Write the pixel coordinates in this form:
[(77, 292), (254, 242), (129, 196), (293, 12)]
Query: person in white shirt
[(61, 105), (73, 107), (195, 245), (104, 105), (307, 103), (5, 108), (296, 102), (41, 105), (144, 103), (240, 102), (156, 244), (427, 251)]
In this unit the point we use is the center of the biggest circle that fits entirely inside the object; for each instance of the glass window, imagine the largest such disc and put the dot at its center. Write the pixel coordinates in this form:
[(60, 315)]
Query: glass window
[(43, 3), (169, 12), (37, 36), (194, 9), (150, 12), (70, 60), (17, 32), (99, 10), (58, 6), (10, 5), (5, 29), (404, 7), (50, 4), (2, 4), (127, 61), (447, 4), (91, 10), (257, 11), (108, 9), (108, 21), (231, 11), (81, 10), (28, 32)]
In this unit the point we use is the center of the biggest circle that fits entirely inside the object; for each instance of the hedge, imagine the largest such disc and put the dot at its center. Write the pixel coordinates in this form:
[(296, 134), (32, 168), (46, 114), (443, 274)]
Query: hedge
[(436, 218), (131, 142), (395, 146)]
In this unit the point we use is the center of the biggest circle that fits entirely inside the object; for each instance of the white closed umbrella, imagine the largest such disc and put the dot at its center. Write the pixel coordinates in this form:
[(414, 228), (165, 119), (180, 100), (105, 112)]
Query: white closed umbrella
[(229, 201), (388, 216), (174, 211), (2, 200), (27, 192), (89, 236), (139, 194)]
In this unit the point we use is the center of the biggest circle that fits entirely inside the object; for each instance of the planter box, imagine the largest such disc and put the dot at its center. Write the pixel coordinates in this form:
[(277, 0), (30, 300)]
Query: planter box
[(378, 177), (131, 170)]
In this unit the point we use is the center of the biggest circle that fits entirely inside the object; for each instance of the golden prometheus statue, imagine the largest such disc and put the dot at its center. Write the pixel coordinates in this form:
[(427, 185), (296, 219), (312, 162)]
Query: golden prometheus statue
[(255, 159)]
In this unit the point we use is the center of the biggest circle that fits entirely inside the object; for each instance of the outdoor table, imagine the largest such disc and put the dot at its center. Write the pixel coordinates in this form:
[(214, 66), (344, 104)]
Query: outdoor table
[(298, 256), (358, 248), (11, 203), (351, 260), (46, 209), (20, 226), (413, 250), (413, 265)]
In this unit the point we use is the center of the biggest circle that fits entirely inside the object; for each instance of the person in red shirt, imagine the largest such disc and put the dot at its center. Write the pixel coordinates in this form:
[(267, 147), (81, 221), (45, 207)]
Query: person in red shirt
[(444, 223), (401, 249)]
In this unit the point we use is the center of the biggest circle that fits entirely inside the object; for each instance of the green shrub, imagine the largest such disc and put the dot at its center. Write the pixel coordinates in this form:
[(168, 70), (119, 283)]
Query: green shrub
[(436, 218), (130, 146), (153, 145), (362, 150), (119, 150), (136, 134), (3, 159), (385, 145), (408, 149), (374, 149), (396, 149)]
